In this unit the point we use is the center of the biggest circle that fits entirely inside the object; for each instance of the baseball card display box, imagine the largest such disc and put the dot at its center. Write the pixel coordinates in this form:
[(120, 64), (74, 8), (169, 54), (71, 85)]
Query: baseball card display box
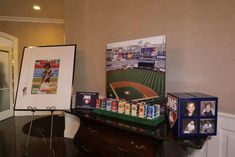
[(136, 112), (192, 114), (134, 119)]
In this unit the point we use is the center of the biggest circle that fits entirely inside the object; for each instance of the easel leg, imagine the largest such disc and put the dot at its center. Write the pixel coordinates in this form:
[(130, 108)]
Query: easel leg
[(30, 128), (29, 133), (51, 134)]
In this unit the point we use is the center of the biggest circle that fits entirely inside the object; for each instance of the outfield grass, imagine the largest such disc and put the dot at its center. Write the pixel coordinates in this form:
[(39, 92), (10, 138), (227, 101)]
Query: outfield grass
[(152, 79)]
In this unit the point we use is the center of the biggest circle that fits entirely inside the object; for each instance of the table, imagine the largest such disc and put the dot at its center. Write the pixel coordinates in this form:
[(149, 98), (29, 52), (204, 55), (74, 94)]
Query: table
[(102, 136)]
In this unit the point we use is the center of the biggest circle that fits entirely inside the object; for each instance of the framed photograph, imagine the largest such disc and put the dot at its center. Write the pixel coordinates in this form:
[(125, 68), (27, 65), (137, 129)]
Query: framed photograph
[(136, 69), (189, 126), (190, 108), (207, 126), (86, 100), (46, 78), (207, 108)]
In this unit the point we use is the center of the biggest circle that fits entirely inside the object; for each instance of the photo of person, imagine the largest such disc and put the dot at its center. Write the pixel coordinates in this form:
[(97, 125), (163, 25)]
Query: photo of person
[(207, 126), (189, 126), (190, 109), (207, 108), (45, 76)]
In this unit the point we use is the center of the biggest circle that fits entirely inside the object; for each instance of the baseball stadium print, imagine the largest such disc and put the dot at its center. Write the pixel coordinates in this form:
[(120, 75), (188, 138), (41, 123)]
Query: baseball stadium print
[(136, 69)]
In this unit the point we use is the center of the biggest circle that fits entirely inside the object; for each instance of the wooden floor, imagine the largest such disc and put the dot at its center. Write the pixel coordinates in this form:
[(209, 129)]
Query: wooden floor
[(13, 140)]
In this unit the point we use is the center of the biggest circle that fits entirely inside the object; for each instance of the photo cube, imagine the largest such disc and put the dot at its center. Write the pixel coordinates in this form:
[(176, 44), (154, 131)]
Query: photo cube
[(192, 114)]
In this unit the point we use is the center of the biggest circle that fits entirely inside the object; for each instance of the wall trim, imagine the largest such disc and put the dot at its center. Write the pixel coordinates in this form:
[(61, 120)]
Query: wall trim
[(226, 115), (31, 19)]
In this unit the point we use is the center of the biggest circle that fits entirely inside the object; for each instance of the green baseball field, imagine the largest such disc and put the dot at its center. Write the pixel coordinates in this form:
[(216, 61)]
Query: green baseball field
[(135, 84)]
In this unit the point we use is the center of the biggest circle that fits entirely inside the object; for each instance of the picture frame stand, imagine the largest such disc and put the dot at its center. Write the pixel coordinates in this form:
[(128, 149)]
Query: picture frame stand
[(52, 109), (33, 110)]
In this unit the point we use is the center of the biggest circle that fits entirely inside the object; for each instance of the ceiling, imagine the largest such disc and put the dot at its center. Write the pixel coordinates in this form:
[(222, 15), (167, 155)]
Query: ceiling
[(24, 8)]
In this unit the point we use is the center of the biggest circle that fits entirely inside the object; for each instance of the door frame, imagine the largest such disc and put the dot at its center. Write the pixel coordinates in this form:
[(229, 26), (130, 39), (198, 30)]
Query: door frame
[(15, 68), (8, 112)]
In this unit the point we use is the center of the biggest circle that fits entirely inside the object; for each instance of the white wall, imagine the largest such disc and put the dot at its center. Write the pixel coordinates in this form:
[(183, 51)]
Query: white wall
[(221, 145), (72, 124)]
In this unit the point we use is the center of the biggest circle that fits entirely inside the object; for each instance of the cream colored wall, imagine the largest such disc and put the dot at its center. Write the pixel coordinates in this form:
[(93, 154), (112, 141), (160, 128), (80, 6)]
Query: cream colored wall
[(34, 34), (200, 41)]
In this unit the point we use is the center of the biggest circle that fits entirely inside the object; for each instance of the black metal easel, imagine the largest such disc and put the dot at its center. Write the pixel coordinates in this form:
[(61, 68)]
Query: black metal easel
[(33, 110), (52, 109)]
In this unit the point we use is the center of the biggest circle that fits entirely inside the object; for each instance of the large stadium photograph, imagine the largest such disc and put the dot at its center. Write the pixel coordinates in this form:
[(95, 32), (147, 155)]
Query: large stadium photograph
[(136, 69)]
